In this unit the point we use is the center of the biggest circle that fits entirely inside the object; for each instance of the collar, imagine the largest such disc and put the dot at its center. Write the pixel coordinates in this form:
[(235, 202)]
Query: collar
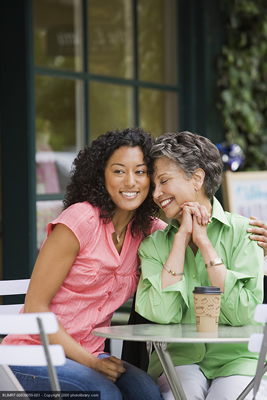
[(217, 214)]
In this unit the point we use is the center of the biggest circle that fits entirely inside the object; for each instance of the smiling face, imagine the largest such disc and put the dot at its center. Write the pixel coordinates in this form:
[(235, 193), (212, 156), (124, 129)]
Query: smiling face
[(171, 188), (126, 178)]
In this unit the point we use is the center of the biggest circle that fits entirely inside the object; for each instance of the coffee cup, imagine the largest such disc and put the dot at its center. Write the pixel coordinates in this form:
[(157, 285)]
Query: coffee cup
[(207, 302)]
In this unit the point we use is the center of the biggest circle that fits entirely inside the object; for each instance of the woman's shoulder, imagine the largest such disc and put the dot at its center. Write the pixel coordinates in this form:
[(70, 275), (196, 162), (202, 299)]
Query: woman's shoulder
[(82, 210), (83, 206), (77, 217), (157, 224), (237, 232), (236, 221), (155, 239)]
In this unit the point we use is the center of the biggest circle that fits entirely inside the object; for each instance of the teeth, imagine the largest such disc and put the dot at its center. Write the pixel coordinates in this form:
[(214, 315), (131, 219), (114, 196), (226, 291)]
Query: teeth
[(165, 202), (129, 194)]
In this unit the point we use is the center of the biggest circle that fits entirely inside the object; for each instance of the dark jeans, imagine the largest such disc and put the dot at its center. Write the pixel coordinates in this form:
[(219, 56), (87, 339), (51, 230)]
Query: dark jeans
[(134, 384)]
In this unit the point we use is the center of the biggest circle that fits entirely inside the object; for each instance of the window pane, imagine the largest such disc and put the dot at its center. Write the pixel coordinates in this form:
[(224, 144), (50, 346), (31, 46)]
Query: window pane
[(110, 37), (158, 111), (58, 34), (59, 131), (157, 41), (111, 107), (46, 212)]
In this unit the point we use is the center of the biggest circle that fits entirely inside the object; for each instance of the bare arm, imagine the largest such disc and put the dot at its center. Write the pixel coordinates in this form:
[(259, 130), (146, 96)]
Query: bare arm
[(52, 266), (216, 273)]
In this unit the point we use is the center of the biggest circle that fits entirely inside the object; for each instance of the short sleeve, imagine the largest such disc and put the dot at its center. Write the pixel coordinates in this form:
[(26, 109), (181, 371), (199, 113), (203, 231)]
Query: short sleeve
[(81, 218), (157, 224)]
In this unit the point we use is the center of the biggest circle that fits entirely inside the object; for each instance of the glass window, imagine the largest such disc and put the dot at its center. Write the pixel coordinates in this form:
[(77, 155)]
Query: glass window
[(157, 41), (46, 212), (57, 131), (99, 65), (57, 34), (110, 37), (111, 107), (158, 111)]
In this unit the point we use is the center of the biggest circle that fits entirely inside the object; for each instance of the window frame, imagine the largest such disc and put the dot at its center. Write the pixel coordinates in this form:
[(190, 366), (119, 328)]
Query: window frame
[(86, 77)]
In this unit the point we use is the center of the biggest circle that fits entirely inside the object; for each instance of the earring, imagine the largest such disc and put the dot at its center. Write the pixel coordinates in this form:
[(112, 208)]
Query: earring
[(196, 191)]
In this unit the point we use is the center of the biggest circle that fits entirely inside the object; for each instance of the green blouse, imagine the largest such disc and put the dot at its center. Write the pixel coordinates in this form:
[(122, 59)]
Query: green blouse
[(243, 290)]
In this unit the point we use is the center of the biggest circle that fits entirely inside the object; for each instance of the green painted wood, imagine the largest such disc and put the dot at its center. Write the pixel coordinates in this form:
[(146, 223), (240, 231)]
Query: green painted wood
[(85, 70), (201, 34), (17, 136)]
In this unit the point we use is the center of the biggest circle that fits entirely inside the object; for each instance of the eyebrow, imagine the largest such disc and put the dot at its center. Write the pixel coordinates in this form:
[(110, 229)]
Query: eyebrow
[(122, 165), (159, 176)]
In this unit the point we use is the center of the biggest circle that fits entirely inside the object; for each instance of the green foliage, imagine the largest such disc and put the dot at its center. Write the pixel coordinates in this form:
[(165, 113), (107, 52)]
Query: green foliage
[(242, 81)]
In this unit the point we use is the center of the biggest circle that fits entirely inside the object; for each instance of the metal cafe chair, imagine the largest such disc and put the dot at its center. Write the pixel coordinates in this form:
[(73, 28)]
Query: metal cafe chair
[(12, 287), (35, 323), (258, 343), (35, 355)]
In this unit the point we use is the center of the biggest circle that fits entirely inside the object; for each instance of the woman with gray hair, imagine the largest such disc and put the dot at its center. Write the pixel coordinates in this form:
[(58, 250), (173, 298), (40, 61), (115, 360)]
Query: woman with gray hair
[(198, 251)]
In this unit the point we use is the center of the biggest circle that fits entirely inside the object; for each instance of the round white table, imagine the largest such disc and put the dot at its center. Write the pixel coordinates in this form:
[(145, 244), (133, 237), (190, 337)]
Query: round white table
[(160, 335)]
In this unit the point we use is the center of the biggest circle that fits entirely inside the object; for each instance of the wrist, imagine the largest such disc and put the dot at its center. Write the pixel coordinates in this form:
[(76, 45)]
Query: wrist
[(183, 237), (212, 263), (202, 243), (92, 362)]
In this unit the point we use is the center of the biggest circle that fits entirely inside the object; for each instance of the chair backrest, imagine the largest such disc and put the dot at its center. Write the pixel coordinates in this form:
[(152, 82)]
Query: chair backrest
[(258, 343), (11, 287), (38, 355), (265, 287), (27, 323), (255, 341)]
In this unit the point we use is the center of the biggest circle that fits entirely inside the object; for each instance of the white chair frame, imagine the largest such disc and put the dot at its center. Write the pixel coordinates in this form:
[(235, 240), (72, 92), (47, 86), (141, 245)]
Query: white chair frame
[(258, 343), (34, 323), (8, 381), (11, 287), (39, 355)]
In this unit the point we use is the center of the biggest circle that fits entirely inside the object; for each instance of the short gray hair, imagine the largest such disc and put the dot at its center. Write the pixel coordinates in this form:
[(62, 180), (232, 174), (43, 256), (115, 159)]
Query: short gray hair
[(190, 152)]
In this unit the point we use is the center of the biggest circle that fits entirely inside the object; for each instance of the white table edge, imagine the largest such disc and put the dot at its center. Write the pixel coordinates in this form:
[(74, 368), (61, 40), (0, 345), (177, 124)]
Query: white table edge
[(112, 333)]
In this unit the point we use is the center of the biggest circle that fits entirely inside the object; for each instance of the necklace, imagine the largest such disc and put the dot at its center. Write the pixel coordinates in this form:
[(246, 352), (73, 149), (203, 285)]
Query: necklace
[(119, 233)]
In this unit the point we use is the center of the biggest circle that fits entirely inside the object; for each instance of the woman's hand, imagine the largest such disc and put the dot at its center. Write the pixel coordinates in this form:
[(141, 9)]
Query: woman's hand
[(195, 218), (258, 232), (111, 367), (199, 234), (201, 213), (186, 225), (191, 213)]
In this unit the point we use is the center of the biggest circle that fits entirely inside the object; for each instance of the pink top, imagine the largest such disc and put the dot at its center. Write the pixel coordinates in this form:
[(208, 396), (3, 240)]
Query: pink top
[(99, 281)]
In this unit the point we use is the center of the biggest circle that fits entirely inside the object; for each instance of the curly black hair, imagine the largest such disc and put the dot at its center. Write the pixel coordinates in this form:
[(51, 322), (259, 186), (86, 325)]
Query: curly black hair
[(88, 176)]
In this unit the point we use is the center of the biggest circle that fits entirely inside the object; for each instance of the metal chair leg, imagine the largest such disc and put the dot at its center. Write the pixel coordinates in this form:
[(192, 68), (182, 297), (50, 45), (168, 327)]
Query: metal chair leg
[(250, 385), (51, 369)]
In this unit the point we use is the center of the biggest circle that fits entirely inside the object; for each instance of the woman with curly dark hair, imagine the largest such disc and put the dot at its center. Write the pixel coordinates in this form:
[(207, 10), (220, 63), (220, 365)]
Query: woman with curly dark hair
[(88, 179), (88, 266)]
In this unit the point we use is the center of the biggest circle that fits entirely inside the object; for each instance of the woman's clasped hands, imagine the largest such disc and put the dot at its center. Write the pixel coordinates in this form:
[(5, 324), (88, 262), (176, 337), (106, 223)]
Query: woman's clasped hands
[(195, 219)]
